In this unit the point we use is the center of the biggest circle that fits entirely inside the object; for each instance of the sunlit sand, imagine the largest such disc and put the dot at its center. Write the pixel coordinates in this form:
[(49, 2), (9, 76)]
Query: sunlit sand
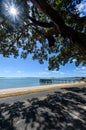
[(27, 90)]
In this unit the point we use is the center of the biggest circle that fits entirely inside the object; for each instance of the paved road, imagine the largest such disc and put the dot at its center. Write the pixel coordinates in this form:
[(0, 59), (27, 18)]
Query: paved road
[(11, 100)]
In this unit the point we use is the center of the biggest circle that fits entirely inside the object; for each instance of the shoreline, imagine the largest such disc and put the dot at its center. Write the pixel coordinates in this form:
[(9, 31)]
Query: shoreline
[(27, 90)]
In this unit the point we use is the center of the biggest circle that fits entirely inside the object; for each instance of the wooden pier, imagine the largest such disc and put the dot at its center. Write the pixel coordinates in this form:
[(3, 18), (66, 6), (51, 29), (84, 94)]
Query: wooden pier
[(46, 81), (60, 80)]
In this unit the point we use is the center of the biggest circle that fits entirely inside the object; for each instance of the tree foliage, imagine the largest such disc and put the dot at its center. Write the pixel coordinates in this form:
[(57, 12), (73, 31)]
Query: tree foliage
[(50, 30)]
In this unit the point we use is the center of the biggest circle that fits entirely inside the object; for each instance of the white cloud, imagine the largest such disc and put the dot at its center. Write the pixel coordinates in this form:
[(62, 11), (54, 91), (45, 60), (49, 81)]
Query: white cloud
[(55, 72), (58, 72), (82, 8), (62, 73), (43, 73), (46, 69), (81, 71), (6, 71), (19, 71), (74, 60), (77, 68), (83, 68), (48, 73)]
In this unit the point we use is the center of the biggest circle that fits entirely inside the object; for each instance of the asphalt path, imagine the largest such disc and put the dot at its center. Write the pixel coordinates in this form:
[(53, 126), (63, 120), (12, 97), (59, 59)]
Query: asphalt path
[(22, 98)]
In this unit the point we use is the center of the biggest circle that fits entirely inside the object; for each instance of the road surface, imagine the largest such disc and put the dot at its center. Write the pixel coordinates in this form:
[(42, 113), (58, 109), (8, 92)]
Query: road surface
[(22, 98)]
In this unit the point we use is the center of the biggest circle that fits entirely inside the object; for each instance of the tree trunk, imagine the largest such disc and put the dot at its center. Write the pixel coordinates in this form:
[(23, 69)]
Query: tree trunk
[(77, 38)]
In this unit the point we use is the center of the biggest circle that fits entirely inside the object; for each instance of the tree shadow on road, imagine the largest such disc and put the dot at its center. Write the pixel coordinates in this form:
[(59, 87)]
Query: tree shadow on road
[(65, 110)]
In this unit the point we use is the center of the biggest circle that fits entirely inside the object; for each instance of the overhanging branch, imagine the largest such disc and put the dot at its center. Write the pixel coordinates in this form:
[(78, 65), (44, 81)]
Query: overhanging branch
[(42, 24), (76, 37)]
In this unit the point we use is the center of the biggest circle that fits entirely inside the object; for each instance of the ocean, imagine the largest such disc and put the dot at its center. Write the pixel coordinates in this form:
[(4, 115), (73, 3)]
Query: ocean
[(31, 81), (18, 82)]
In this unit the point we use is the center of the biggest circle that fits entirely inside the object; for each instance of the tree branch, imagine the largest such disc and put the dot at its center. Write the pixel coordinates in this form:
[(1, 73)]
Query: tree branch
[(42, 24), (76, 37), (50, 12)]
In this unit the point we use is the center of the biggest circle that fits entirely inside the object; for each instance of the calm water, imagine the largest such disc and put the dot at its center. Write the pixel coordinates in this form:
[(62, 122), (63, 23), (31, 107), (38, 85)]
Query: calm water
[(26, 82), (18, 82)]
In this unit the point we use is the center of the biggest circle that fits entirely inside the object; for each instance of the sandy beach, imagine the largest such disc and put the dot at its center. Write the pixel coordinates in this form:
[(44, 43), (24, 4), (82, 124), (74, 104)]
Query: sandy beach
[(27, 90)]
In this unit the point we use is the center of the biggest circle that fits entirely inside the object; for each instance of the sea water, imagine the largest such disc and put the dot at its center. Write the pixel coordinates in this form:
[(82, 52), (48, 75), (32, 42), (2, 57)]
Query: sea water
[(18, 82), (30, 81)]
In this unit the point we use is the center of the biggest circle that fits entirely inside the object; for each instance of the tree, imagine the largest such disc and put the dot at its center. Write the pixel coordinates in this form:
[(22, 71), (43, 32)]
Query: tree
[(50, 30)]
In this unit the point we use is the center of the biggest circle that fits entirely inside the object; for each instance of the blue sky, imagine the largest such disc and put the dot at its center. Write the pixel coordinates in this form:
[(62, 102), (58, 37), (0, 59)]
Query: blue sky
[(10, 67), (82, 8)]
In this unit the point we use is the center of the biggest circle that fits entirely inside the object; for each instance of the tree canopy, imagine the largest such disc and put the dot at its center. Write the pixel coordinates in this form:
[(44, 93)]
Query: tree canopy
[(50, 30)]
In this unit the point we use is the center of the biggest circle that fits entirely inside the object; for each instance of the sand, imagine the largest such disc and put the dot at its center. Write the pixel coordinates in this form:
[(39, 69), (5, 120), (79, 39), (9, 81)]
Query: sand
[(27, 90)]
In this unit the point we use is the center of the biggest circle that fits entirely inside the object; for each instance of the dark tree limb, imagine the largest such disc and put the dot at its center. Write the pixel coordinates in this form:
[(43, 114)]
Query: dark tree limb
[(49, 35), (76, 37), (42, 24)]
